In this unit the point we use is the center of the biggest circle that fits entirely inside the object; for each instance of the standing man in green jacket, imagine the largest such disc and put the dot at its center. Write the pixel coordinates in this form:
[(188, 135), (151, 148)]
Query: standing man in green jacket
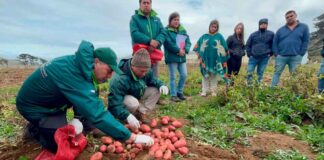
[(146, 28), (136, 91), (71, 81)]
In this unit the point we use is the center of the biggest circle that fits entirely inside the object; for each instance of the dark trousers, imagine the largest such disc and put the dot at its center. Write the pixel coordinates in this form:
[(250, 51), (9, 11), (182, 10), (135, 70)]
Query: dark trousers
[(234, 65), (43, 130), (87, 125)]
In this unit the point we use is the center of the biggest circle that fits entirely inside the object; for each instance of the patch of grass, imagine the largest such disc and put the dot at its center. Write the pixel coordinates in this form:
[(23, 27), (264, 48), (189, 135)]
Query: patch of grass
[(9, 131), (236, 114), (9, 116), (8, 92), (230, 117), (23, 158), (314, 135), (320, 156), (209, 123), (285, 155)]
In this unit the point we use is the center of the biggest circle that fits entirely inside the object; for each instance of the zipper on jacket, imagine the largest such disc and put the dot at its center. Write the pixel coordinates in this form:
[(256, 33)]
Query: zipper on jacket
[(149, 27)]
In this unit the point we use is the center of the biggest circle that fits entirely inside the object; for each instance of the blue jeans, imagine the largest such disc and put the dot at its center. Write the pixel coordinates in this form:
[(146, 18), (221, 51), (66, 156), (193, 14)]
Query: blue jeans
[(281, 62), (321, 78), (261, 63), (182, 69)]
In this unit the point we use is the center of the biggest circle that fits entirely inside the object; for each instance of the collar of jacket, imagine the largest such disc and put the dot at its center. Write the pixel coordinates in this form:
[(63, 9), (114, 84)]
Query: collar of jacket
[(180, 29), (95, 82), (296, 25), (212, 34), (130, 70), (152, 13)]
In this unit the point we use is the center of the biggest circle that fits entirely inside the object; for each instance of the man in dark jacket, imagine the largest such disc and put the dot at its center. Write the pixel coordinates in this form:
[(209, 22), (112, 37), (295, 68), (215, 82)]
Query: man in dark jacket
[(259, 50), (71, 81), (289, 45), (136, 91), (146, 28)]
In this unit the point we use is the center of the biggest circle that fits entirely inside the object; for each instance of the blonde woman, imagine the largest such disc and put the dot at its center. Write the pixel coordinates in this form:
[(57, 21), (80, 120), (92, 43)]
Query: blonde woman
[(236, 48)]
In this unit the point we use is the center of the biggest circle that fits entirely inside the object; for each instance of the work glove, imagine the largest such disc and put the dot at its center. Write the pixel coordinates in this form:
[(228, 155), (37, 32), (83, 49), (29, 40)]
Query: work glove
[(144, 139), (133, 122), (164, 90), (77, 125)]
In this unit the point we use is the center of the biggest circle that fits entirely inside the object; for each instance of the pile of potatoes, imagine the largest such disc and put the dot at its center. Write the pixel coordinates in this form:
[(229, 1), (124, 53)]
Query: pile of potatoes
[(167, 135)]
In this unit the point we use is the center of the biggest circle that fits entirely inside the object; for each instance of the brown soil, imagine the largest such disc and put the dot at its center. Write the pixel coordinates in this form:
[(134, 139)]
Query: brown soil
[(260, 146), (197, 152), (28, 149), (266, 142), (14, 76), (204, 152)]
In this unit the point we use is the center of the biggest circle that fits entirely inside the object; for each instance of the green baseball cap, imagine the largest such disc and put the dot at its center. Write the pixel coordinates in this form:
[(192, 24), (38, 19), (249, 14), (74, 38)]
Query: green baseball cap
[(108, 56)]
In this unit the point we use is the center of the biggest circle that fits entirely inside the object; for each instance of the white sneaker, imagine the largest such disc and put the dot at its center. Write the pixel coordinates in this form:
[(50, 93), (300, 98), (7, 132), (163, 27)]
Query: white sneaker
[(203, 94)]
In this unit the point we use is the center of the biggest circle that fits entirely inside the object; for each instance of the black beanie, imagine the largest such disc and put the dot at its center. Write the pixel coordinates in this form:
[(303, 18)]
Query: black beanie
[(263, 20)]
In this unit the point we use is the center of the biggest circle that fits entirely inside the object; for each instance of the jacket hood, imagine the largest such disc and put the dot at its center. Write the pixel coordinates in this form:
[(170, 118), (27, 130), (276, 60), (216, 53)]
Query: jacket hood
[(152, 13), (124, 65), (263, 20), (180, 29), (85, 59)]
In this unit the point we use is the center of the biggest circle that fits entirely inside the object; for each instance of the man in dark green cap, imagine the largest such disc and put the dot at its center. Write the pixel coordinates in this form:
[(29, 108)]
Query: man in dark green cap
[(71, 81)]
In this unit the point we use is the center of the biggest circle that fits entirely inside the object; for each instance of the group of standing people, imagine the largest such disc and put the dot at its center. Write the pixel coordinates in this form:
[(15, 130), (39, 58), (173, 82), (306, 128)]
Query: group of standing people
[(288, 45), (134, 91), (216, 56)]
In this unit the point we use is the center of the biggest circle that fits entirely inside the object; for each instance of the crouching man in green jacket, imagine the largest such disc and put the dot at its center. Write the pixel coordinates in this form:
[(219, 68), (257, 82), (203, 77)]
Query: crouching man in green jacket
[(71, 81), (136, 91)]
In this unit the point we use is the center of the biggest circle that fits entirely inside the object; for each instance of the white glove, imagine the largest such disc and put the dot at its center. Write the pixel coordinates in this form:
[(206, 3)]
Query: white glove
[(77, 125), (164, 90), (133, 122), (144, 139)]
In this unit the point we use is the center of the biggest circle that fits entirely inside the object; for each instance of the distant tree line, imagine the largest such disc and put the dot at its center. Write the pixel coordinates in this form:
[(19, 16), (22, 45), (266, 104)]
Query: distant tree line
[(3, 62), (27, 59), (24, 59), (317, 37)]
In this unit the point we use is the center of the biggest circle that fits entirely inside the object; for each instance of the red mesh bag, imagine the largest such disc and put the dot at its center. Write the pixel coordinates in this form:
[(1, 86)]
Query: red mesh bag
[(155, 56), (69, 145)]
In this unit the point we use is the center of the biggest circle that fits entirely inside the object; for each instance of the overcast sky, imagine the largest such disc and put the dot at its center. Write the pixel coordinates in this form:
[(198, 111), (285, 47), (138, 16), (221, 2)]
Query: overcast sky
[(52, 28)]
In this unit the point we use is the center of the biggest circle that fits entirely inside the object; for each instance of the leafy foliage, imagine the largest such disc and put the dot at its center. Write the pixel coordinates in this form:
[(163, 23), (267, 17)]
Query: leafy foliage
[(232, 116), (316, 40), (294, 109), (285, 155)]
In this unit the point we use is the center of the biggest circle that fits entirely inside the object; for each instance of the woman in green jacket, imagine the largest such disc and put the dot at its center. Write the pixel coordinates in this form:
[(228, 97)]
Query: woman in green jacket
[(176, 46), (212, 52)]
